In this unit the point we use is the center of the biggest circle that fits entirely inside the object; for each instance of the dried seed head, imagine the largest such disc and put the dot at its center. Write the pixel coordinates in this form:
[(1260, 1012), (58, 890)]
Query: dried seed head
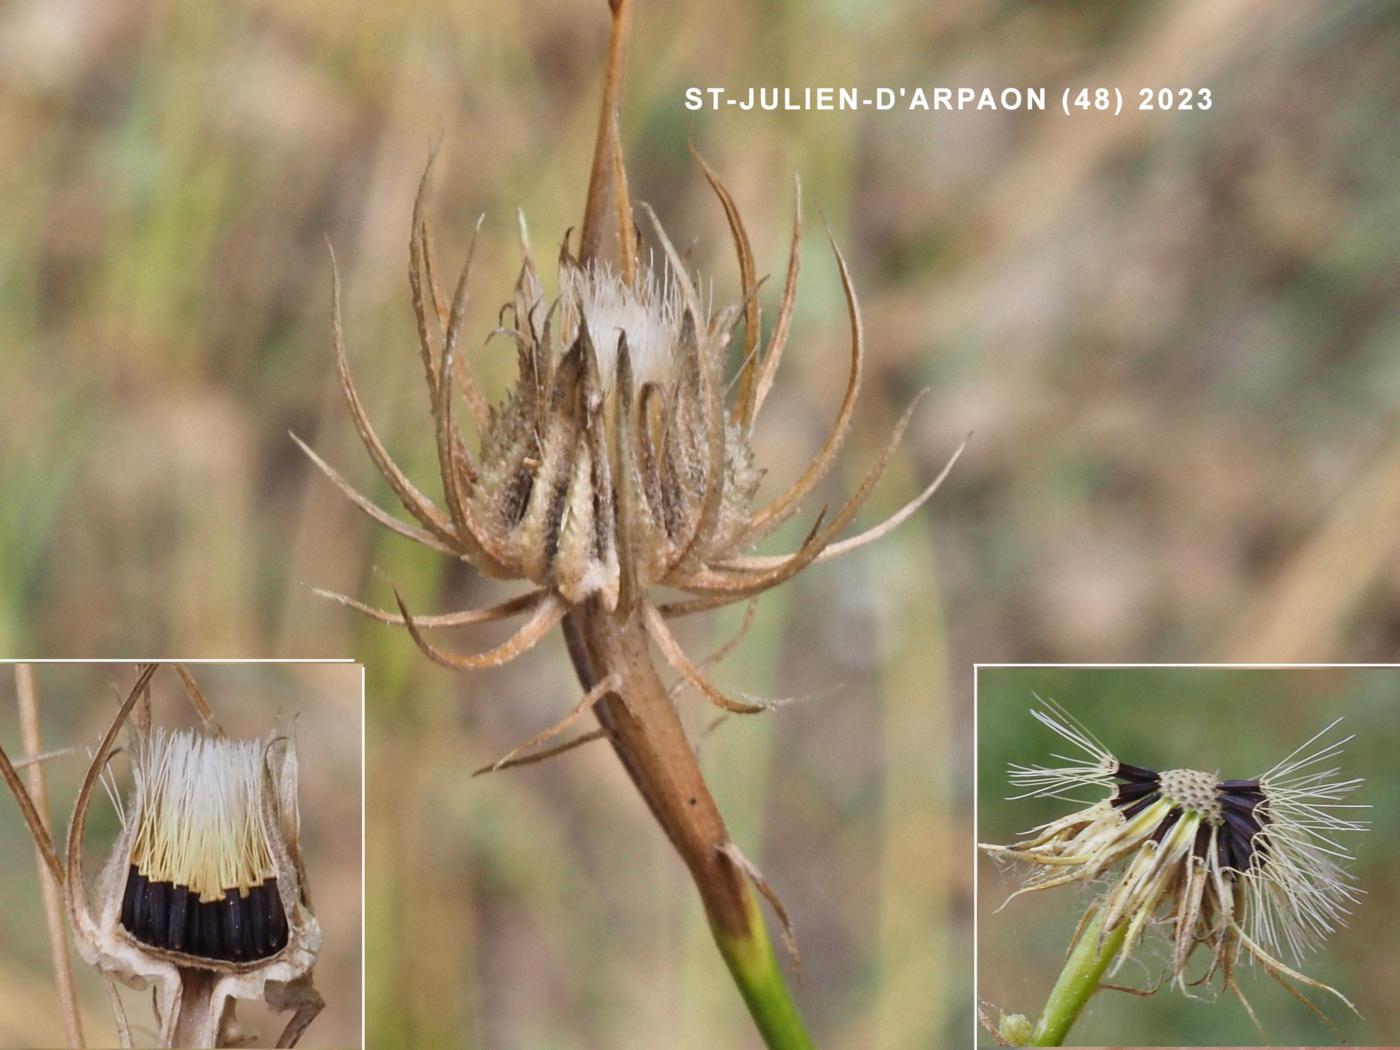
[(614, 435), (201, 879), (203, 893), (618, 462), (1232, 865)]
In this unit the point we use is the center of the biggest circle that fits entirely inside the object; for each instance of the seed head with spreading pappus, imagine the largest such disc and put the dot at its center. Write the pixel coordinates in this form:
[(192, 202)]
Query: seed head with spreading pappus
[(1248, 867)]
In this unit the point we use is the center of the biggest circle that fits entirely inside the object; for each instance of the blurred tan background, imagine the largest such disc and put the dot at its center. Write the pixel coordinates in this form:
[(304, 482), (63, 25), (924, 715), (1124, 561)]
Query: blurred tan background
[(1173, 335), (76, 704)]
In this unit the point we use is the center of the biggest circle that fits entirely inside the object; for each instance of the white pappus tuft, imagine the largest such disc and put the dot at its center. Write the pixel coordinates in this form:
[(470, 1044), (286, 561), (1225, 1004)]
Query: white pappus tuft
[(648, 315), (199, 800)]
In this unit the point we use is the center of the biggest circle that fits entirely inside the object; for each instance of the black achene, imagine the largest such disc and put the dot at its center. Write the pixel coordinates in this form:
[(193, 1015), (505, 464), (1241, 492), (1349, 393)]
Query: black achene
[(241, 927)]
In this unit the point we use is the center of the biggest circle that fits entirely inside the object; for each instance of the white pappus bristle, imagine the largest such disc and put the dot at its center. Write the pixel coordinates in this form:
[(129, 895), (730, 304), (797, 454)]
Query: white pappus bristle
[(649, 316), (1040, 781), (1301, 894), (199, 805)]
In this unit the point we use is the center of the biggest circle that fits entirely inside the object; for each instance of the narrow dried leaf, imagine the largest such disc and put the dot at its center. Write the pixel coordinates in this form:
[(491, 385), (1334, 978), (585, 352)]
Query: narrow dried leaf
[(676, 657), (376, 512), (734, 853), (582, 707), (778, 339), (502, 611), (782, 508), (546, 616)]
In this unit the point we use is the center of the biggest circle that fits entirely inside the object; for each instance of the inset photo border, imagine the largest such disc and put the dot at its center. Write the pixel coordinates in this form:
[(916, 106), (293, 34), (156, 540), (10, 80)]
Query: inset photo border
[(205, 881), (1153, 842)]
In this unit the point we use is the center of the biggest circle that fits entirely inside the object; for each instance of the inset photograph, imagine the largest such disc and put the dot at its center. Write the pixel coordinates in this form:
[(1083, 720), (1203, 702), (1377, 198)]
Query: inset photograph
[(181, 854), (1186, 856)]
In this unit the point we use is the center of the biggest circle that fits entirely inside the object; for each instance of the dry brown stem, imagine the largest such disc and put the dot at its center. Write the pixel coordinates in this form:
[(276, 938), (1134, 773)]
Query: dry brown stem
[(50, 888), (645, 730), (118, 1013), (42, 840), (197, 700), (46, 756)]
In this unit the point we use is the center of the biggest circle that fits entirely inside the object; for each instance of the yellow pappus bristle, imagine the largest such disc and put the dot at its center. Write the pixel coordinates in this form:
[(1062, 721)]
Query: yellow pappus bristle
[(199, 801)]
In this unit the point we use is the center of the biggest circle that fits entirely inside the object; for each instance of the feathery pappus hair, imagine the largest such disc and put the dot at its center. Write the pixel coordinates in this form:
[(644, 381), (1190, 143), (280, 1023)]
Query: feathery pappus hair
[(1248, 867)]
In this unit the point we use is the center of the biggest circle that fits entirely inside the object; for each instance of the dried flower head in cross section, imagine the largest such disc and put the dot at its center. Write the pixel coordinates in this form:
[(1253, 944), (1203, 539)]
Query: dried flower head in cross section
[(1236, 867), (202, 879), (203, 894), (621, 460)]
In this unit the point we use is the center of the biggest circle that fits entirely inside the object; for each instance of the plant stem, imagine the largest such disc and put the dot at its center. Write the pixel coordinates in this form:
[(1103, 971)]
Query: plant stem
[(755, 970), (646, 732), (50, 889), (639, 718), (1077, 981)]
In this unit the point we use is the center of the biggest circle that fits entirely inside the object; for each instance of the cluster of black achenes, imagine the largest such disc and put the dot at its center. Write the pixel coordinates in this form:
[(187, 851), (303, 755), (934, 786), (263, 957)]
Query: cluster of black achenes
[(1245, 817), (1241, 802), (239, 928)]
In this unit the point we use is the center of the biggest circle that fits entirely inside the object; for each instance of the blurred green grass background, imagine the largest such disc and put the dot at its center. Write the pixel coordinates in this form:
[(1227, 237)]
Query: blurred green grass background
[(1172, 335), (1239, 723), (76, 704)]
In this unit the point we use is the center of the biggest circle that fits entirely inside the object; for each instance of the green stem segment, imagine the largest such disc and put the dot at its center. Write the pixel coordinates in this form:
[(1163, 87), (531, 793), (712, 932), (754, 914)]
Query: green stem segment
[(756, 972), (1085, 967)]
